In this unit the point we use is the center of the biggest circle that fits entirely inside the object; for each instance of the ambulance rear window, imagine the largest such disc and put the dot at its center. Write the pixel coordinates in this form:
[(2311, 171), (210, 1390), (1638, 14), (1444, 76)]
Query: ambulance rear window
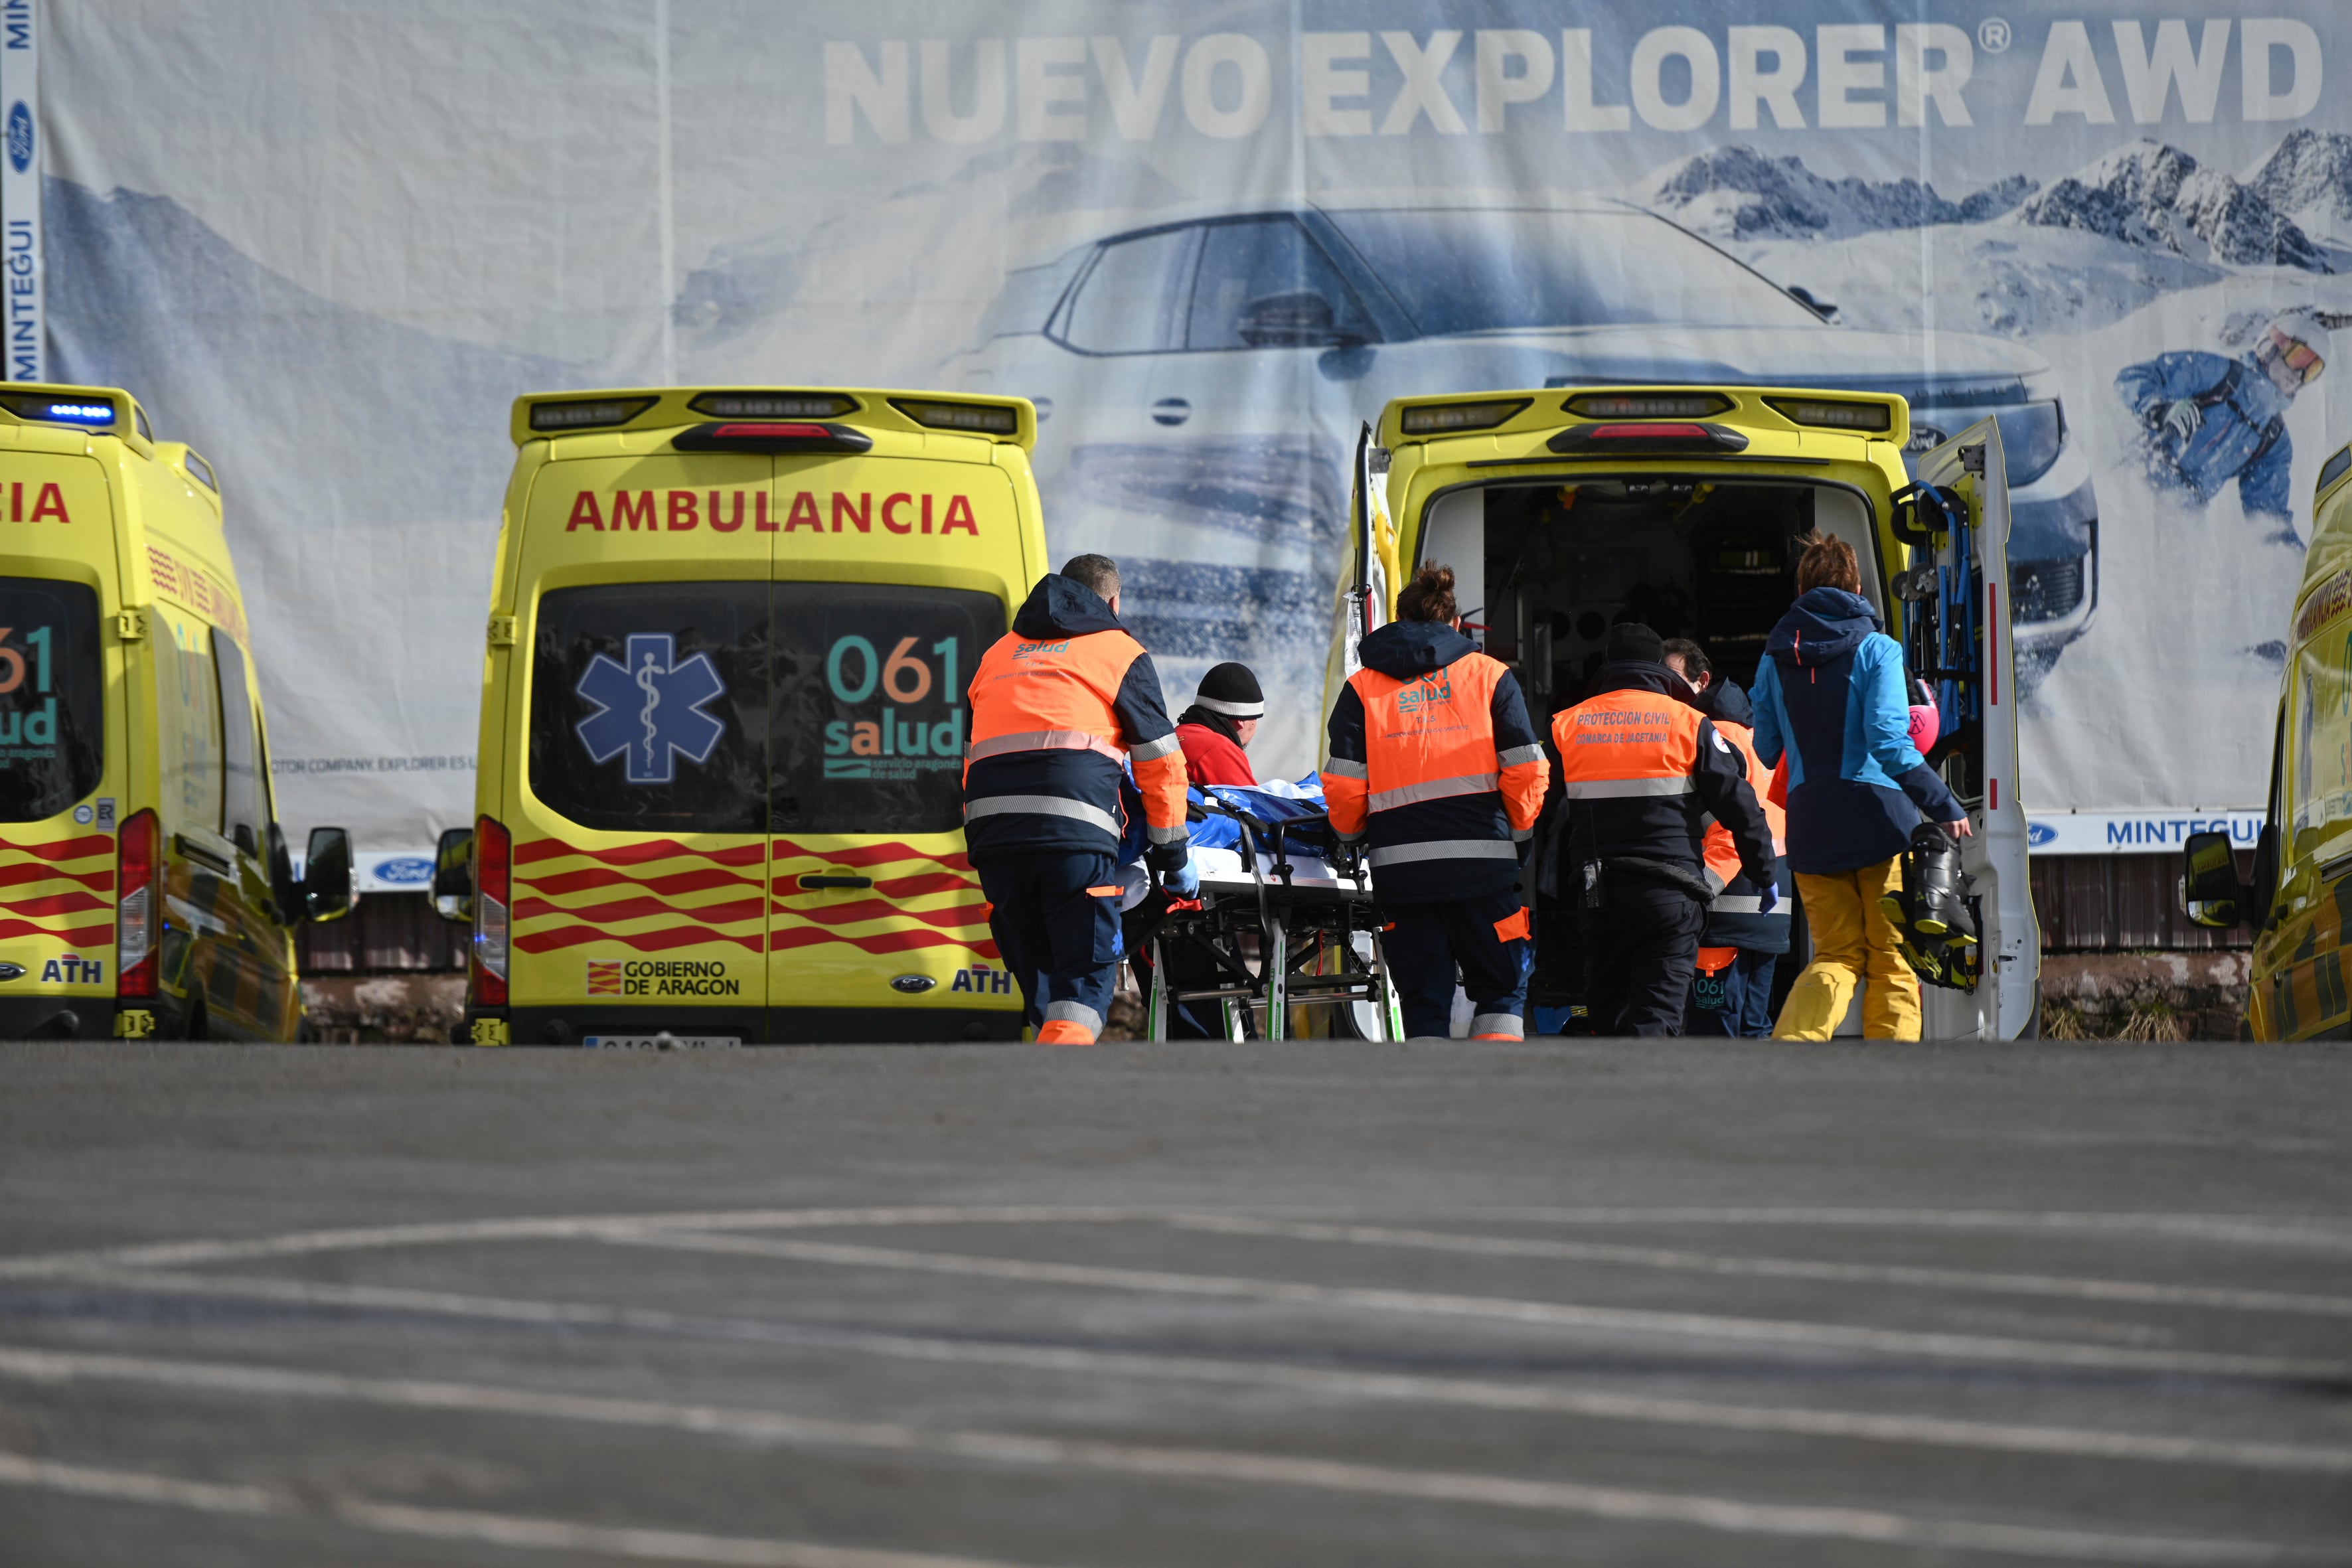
[(756, 706), (870, 719), (648, 707), (52, 697)]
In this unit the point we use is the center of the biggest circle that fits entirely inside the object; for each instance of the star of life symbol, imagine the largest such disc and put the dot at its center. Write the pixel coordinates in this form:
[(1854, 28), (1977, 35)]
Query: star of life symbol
[(650, 708)]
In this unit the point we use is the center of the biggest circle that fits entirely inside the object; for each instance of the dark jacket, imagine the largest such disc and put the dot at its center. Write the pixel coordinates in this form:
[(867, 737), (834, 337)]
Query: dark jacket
[(1663, 828), (1829, 694), (1407, 650), (1060, 609), (1734, 920)]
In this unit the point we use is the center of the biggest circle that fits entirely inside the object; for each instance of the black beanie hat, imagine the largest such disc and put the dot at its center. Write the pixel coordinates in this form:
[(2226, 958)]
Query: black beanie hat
[(1233, 690), (1633, 643)]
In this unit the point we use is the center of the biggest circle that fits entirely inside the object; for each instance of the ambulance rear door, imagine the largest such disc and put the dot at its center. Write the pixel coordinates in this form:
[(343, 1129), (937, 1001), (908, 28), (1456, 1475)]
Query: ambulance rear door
[(65, 773), (638, 801), (893, 572), (1981, 763)]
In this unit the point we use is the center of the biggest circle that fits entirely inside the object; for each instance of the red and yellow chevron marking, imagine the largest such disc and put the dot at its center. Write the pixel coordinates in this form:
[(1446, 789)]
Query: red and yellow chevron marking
[(58, 883), (919, 899), (654, 896)]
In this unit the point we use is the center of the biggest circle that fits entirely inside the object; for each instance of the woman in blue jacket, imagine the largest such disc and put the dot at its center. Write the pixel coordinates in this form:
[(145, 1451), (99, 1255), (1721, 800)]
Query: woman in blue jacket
[(1829, 695)]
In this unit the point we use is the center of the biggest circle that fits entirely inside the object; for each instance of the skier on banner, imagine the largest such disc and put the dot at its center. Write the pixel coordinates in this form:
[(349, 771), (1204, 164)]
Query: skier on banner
[(2211, 419)]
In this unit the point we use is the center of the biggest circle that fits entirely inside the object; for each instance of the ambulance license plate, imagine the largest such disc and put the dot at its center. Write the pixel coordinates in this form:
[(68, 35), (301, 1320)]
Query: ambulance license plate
[(663, 1042)]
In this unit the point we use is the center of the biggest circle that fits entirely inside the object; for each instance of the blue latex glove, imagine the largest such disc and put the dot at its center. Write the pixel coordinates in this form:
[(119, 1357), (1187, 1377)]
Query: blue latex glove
[(1767, 899), (1185, 881)]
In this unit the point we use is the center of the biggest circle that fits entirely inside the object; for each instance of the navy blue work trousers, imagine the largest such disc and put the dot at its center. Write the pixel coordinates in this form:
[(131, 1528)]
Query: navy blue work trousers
[(1427, 944), (1056, 921), (1739, 1002)]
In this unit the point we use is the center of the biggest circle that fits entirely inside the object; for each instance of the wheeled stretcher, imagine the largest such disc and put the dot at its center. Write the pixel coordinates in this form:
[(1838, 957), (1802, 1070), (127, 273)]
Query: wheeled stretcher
[(1284, 919)]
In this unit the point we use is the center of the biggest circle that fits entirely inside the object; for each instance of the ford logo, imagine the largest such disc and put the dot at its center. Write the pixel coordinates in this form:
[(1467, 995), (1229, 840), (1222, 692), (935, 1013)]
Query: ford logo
[(12, 972), (913, 984), (2038, 834), (405, 869), (20, 138)]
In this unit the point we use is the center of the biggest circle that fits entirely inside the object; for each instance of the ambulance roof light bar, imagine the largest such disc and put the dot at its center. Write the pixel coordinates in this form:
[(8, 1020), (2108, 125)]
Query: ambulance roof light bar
[(1648, 405), (1459, 418), (979, 418), (89, 413), (587, 413), (1873, 417), (774, 405)]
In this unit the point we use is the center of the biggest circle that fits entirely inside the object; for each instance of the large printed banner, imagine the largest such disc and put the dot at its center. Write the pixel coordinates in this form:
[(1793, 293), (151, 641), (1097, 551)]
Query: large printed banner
[(327, 243)]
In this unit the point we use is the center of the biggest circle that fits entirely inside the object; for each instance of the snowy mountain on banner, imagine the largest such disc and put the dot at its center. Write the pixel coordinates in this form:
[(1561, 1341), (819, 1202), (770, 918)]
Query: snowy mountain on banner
[(2308, 177), (2157, 199), (1738, 193)]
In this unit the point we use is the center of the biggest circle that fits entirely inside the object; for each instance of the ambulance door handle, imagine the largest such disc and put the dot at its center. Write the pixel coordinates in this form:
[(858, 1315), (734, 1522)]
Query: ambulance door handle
[(1172, 410), (813, 881)]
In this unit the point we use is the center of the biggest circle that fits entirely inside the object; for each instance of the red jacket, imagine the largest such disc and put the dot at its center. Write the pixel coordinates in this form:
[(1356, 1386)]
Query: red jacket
[(1211, 759)]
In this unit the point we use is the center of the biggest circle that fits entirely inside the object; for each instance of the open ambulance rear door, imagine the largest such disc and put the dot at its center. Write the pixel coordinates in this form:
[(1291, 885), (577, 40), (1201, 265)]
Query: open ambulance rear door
[(1957, 576)]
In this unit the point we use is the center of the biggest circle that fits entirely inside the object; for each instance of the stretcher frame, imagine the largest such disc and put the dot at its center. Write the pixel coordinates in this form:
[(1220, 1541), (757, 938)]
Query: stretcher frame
[(1307, 908)]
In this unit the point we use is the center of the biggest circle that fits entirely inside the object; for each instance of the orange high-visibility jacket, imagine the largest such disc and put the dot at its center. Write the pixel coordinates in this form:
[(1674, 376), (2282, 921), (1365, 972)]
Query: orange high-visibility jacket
[(1641, 771), (1433, 759), (1057, 705), (1735, 917)]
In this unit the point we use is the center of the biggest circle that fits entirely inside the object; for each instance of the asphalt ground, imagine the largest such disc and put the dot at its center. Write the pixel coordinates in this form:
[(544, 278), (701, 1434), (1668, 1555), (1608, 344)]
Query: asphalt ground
[(1300, 1305)]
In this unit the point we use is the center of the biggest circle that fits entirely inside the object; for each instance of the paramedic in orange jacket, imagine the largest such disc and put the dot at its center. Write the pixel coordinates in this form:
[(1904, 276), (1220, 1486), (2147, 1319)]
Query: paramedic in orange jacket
[(1745, 940), (1433, 760), (1057, 706), (1639, 771)]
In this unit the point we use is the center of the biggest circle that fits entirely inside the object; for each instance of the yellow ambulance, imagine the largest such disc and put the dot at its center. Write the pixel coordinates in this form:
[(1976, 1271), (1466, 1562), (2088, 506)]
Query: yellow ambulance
[(1564, 509), (722, 732), (145, 886), (2301, 886)]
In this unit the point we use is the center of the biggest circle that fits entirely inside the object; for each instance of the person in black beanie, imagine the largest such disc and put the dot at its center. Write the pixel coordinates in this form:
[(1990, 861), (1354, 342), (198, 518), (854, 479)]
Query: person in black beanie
[(1221, 720)]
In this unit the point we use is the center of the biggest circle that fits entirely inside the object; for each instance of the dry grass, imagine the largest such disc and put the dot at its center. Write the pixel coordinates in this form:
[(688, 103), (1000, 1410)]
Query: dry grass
[(2154, 1020)]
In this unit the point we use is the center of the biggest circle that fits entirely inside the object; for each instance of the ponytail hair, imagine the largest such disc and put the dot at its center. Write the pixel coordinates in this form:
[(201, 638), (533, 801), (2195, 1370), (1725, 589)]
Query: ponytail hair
[(1429, 596)]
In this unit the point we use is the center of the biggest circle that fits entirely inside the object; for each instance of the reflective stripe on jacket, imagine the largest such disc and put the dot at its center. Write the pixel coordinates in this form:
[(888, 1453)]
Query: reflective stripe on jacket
[(1058, 706), (1734, 920), (1640, 771), (1433, 760)]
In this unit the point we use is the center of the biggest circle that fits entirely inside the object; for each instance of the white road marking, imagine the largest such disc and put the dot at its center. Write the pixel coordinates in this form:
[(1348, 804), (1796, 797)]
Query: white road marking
[(2246, 1229), (2137, 1292), (1719, 1514), (1556, 1314), (1997, 1436), (460, 1524)]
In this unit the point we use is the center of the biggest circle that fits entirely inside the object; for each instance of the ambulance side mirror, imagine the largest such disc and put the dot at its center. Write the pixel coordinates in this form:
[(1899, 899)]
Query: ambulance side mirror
[(285, 891), (2209, 890), (330, 891), (453, 876)]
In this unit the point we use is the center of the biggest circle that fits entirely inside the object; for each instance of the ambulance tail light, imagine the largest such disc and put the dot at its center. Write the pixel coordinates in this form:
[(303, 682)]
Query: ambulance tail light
[(772, 436), (1875, 418), (979, 418), (136, 924), (1636, 438), (493, 898), (1454, 419)]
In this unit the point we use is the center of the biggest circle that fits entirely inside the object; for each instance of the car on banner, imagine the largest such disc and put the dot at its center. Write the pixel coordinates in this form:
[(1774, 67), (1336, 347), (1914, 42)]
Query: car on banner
[(146, 888), (1197, 380), (719, 790), (2300, 894), (1554, 505)]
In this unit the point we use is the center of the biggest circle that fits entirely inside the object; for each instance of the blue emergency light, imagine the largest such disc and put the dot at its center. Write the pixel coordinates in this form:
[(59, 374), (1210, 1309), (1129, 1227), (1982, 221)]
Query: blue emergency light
[(58, 411)]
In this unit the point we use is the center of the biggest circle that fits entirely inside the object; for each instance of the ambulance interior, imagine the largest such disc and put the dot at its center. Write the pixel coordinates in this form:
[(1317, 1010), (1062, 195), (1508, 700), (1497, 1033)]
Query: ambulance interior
[(1547, 569)]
